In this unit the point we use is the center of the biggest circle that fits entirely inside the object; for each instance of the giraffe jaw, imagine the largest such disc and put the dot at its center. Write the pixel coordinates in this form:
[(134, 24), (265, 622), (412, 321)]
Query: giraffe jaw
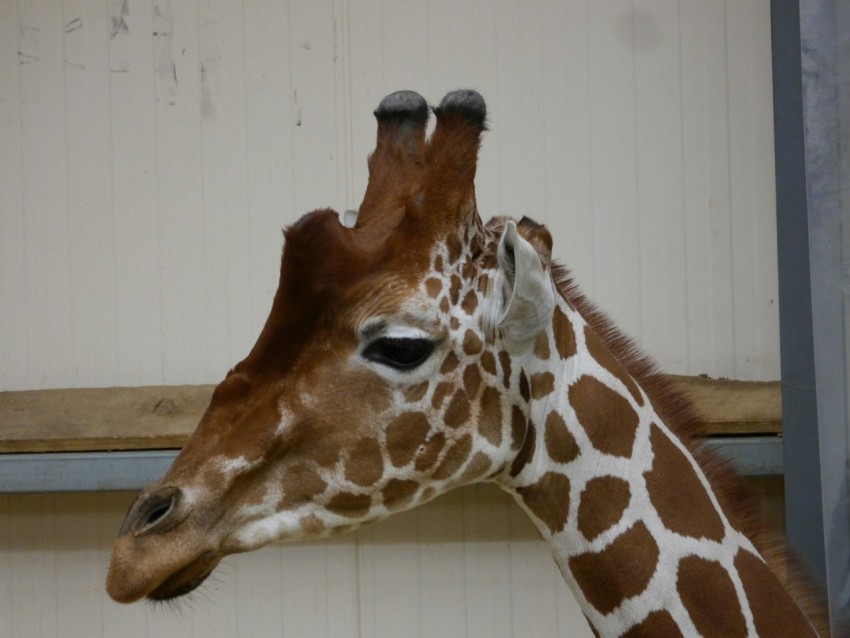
[(148, 571), (187, 579)]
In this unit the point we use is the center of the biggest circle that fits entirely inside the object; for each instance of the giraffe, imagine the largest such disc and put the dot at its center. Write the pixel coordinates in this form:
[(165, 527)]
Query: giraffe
[(419, 350)]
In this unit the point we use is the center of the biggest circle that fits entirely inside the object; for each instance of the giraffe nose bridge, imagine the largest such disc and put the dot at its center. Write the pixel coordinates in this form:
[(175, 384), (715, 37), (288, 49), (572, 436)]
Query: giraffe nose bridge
[(155, 510)]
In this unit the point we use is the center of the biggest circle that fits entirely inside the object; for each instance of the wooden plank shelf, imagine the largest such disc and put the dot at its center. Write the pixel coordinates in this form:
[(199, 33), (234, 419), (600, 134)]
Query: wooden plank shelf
[(162, 417), (125, 438)]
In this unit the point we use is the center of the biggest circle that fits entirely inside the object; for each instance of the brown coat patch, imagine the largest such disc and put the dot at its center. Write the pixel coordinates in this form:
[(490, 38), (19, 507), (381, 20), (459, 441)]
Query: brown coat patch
[(415, 392), (677, 493), (548, 499), (472, 380), (312, 525), (430, 452), (524, 390), (468, 270), (454, 246), (774, 612), (404, 436), (603, 356), (705, 589), (351, 505), (658, 623), (449, 363), (560, 444), (483, 282), (397, 493), (602, 504), (541, 346), (600, 574), (518, 427), (365, 465), (454, 291), (470, 302), (457, 414), (478, 467), (472, 343), (505, 363), (433, 286), (455, 457), (440, 393), (565, 336), (301, 483), (542, 384), (488, 362), (609, 420), (526, 452), (490, 416)]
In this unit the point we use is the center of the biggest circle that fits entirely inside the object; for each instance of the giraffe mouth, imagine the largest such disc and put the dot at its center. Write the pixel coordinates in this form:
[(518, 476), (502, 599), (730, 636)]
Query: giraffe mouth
[(187, 579)]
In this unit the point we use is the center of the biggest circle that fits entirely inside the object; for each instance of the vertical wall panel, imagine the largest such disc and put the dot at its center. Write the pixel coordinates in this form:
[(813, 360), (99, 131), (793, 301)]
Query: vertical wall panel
[(155, 149), (752, 174), (179, 190), (659, 202), (133, 148), (91, 236), (46, 285), (418, 573), (13, 316), (269, 152)]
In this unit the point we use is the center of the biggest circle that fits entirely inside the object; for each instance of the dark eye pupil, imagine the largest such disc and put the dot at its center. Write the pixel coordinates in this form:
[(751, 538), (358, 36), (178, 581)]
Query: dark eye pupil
[(399, 352)]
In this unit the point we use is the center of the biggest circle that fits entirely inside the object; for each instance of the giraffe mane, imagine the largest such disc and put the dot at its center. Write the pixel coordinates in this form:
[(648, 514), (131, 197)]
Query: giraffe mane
[(737, 499)]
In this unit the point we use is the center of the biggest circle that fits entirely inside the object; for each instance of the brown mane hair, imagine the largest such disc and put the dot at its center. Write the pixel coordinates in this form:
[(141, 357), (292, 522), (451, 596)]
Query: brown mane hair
[(737, 499)]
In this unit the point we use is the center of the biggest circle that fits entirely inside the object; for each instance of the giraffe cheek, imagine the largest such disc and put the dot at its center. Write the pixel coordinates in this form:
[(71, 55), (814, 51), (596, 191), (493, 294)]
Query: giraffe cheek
[(405, 435), (365, 465), (429, 452)]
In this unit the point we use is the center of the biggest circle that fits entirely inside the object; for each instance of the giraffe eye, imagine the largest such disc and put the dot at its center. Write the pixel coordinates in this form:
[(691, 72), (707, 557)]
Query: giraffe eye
[(400, 353)]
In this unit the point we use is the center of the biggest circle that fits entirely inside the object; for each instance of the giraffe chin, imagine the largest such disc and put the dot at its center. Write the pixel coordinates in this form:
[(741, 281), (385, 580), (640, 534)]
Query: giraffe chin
[(187, 579), (159, 577)]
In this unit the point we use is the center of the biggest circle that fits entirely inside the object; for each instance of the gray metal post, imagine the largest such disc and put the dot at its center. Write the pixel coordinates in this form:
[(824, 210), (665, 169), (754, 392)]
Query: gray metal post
[(811, 57)]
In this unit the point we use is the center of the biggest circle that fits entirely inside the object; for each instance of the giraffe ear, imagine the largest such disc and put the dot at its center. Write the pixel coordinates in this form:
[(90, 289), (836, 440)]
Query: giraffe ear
[(528, 296)]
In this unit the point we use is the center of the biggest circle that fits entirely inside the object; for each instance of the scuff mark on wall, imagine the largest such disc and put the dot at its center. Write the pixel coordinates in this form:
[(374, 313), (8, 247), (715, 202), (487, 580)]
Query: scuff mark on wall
[(25, 58), (164, 65), (119, 11), (210, 63), (297, 107), (28, 41), (73, 25), (209, 84)]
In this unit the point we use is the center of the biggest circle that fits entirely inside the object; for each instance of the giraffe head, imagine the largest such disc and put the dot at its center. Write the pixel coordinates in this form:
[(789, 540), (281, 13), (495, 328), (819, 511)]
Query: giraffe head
[(383, 374)]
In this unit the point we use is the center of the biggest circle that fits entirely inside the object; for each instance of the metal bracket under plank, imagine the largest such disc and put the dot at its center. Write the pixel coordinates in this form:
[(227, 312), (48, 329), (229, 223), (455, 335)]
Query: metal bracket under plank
[(105, 471)]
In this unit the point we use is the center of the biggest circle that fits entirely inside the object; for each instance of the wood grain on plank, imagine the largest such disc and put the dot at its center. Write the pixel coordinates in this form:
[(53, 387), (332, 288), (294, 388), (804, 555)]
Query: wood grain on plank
[(157, 417)]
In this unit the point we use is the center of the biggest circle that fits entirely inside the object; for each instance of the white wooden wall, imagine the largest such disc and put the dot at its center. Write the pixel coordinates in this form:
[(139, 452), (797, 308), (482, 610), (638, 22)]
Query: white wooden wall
[(468, 565), (151, 150)]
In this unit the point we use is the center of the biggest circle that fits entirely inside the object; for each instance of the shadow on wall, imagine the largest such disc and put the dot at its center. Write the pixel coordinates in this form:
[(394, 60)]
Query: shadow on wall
[(75, 521), (475, 514)]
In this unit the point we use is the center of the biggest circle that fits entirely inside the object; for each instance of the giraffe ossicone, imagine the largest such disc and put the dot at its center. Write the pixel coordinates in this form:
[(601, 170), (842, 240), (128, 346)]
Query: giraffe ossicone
[(411, 349)]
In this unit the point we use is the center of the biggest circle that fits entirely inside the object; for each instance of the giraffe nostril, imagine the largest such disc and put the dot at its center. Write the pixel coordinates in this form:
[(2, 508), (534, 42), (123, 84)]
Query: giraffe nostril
[(153, 512)]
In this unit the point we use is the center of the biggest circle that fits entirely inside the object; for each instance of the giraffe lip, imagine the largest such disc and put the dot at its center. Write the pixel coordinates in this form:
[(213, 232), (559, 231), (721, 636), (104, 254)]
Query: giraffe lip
[(186, 579)]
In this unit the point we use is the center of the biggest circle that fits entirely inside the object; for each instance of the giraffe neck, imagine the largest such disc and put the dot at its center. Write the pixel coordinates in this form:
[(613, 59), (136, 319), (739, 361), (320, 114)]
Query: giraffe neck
[(630, 516)]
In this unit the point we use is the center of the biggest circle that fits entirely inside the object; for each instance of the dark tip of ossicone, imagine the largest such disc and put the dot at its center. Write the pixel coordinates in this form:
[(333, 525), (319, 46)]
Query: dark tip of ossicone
[(466, 102), (402, 106)]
